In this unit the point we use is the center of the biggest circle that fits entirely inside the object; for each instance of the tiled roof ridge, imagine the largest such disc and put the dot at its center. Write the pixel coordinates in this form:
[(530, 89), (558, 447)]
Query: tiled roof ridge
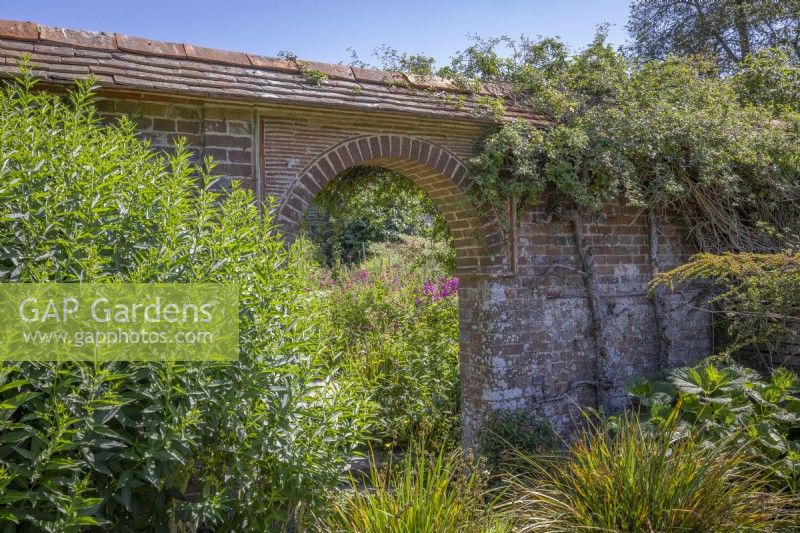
[(118, 42)]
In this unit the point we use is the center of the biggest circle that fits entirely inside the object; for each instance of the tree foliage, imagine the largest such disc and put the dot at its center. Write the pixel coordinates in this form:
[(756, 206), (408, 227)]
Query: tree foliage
[(392, 60), (769, 79), (367, 205), (725, 30)]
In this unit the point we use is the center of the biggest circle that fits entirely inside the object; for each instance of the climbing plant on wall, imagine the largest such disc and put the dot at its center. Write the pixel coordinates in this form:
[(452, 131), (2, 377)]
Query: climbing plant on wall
[(669, 135), (674, 136)]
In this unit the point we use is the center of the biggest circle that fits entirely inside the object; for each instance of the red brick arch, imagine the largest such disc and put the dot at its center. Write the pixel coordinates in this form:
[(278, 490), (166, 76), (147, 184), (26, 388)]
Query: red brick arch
[(442, 175)]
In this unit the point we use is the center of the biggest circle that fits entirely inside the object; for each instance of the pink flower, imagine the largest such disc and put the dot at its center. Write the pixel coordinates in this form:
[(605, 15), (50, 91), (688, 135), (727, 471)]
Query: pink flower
[(444, 288)]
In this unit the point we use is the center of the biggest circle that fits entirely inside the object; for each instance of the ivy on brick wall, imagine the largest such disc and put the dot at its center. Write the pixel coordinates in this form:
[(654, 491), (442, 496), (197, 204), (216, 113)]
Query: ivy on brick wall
[(671, 136), (674, 135)]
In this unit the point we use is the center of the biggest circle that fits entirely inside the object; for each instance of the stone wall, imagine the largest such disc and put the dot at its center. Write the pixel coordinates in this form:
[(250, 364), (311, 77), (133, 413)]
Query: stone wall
[(527, 338)]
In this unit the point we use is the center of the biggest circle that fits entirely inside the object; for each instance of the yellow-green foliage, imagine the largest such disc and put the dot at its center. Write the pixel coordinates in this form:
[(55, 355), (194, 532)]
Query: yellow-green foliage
[(729, 267), (759, 293)]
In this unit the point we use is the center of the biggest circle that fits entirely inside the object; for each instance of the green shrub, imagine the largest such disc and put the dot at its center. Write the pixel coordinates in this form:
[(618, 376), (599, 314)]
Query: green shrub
[(234, 446), (719, 402), (423, 493), (394, 336), (623, 477)]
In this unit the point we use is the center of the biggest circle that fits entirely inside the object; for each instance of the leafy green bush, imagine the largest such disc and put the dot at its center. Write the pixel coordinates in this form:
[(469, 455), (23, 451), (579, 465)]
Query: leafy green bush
[(758, 298), (394, 336), (624, 477), (715, 403), (423, 493), (246, 445)]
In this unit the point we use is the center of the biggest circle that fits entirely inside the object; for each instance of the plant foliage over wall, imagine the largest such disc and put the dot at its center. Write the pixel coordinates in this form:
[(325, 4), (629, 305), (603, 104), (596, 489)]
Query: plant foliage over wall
[(673, 135), (758, 296)]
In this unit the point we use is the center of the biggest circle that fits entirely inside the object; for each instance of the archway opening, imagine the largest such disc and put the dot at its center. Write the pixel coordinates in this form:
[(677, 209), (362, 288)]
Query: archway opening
[(384, 264), (480, 249), (369, 213), (477, 236)]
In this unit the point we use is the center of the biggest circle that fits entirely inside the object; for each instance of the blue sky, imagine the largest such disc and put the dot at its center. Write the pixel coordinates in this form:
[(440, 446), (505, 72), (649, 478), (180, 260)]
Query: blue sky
[(323, 29)]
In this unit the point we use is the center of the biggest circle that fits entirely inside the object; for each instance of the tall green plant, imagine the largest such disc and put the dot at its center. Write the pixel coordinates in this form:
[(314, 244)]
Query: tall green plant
[(246, 445), (395, 337)]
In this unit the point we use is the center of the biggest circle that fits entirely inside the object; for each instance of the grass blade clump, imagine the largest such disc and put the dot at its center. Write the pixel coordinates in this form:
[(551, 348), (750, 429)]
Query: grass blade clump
[(625, 477), (422, 492)]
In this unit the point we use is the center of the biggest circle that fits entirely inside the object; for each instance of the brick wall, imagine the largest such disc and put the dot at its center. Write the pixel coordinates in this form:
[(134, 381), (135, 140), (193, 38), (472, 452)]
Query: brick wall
[(293, 138), (223, 132), (526, 335), (527, 338)]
